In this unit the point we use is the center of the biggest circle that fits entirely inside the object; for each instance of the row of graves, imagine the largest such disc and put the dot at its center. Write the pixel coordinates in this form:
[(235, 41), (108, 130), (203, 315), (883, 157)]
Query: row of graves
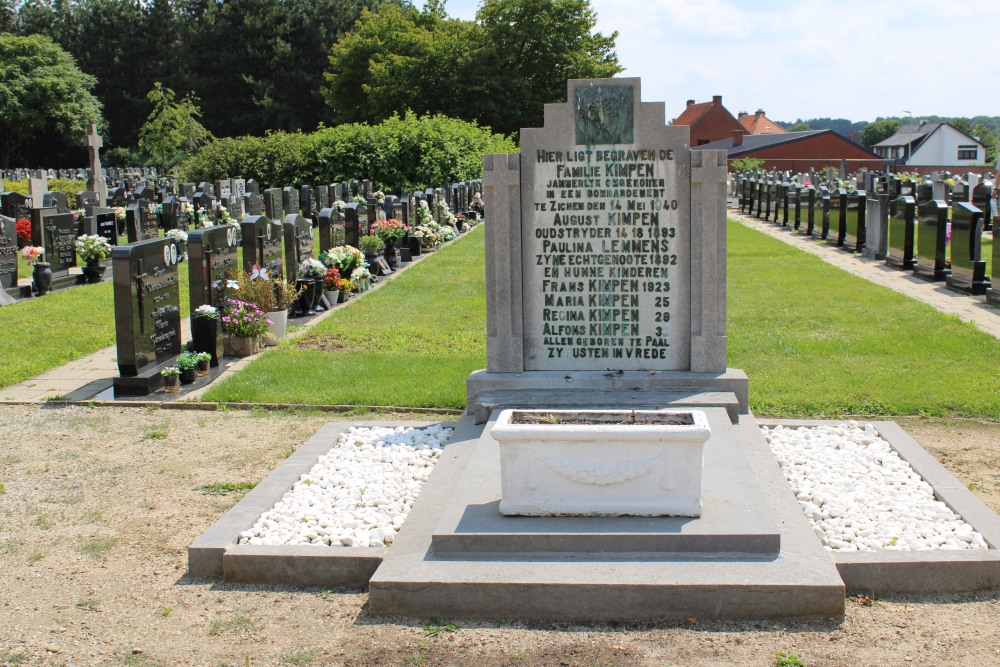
[(139, 209), (932, 226), (276, 237)]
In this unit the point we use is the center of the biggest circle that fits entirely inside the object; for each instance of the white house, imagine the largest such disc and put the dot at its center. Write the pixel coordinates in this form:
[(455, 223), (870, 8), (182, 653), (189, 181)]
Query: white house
[(932, 145)]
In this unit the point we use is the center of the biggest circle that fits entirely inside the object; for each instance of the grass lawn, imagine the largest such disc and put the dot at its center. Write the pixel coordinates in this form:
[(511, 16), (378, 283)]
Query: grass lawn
[(814, 340), (41, 333), (410, 343)]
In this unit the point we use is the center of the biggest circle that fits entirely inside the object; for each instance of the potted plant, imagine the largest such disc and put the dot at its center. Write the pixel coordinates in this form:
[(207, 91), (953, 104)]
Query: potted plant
[(345, 286), (206, 332), (187, 362), (371, 246), (171, 379), (42, 270), (180, 238), (23, 227), (344, 258), (243, 324), (391, 232), (204, 359), (93, 250), (362, 279), (330, 289)]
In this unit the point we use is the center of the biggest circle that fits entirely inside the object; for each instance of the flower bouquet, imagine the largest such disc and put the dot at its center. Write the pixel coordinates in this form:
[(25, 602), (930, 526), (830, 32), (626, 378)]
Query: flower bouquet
[(243, 323), (23, 227), (391, 231), (344, 258), (33, 254)]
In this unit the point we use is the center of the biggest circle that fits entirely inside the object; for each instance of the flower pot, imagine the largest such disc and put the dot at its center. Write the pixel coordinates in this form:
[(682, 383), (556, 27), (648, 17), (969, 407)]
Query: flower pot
[(601, 463), (332, 296), (303, 304), (240, 346), (415, 248), (206, 334), (343, 297), (42, 277), (276, 329), (94, 272), (188, 376), (171, 383), (202, 369), (389, 252), (317, 295)]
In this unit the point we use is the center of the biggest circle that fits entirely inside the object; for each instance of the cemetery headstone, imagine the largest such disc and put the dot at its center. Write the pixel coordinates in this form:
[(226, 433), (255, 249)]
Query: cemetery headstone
[(141, 221), (147, 314), (322, 197), (261, 242), (15, 205), (116, 197), (307, 201), (981, 195), (38, 185), (290, 201), (86, 199), (212, 253), (273, 205), (855, 217), (902, 225), (331, 229), (968, 269), (8, 253), (837, 232), (57, 200), (298, 235), (355, 223), (253, 204), (105, 223), (931, 233), (175, 214), (252, 187)]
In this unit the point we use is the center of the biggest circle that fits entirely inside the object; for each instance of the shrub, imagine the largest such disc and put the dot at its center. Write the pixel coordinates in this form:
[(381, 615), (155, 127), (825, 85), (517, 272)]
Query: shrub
[(401, 153)]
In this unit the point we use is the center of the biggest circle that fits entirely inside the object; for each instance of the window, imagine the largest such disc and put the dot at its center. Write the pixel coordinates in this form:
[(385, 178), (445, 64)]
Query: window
[(702, 142), (968, 152)]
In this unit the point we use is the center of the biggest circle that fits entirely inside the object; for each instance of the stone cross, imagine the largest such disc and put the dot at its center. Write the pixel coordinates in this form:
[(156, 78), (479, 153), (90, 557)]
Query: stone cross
[(96, 182)]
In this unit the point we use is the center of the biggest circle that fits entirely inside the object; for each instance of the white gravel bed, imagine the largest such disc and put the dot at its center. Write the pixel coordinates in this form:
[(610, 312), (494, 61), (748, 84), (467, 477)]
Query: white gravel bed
[(358, 494), (859, 495)]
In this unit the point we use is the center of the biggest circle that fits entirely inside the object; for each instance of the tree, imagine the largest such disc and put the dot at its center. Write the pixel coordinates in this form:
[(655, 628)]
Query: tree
[(172, 129), (501, 69), (878, 131), (42, 89), (989, 139), (800, 126)]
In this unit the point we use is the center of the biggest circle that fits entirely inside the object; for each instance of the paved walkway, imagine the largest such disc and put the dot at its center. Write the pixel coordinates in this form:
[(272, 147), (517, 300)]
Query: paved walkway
[(969, 308)]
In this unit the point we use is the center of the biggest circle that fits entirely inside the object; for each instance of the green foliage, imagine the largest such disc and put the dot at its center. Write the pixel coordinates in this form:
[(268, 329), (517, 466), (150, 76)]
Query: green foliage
[(398, 154), (125, 157), (783, 659), (41, 89), (800, 126), (502, 67), (878, 131), (989, 139), (172, 130), (746, 164)]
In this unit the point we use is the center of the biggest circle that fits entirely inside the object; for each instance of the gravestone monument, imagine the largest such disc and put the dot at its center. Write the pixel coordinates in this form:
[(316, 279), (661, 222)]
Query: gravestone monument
[(968, 270), (147, 314), (606, 289), (213, 258), (900, 251), (932, 240), (141, 221), (298, 235), (331, 229), (8, 253), (261, 241)]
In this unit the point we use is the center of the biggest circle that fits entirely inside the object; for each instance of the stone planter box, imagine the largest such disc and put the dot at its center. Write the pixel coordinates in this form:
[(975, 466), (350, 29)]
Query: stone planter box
[(608, 467)]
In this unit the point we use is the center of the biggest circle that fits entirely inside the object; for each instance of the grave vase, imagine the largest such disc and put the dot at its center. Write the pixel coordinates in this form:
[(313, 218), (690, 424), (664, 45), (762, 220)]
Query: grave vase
[(317, 295), (390, 255), (206, 333), (188, 375), (276, 329), (305, 288), (332, 296), (42, 277), (171, 383), (93, 272), (202, 369), (343, 296), (240, 346)]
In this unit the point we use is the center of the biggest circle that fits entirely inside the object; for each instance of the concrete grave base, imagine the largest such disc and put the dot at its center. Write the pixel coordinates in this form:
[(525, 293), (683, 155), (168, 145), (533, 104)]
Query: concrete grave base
[(759, 558), (751, 555)]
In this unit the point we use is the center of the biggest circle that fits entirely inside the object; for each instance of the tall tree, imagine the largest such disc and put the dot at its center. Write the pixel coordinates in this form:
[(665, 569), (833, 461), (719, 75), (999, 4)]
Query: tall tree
[(172, 130), (878, 131), (41, 89)]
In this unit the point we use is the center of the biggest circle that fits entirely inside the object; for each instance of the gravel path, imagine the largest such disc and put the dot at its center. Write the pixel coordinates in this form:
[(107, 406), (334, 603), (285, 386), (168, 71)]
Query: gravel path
[(99, 505)]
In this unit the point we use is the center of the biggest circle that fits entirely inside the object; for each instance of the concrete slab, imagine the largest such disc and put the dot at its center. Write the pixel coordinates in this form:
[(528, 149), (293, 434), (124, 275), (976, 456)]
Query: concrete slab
[(800, 581), (934, 571), (730, 522)]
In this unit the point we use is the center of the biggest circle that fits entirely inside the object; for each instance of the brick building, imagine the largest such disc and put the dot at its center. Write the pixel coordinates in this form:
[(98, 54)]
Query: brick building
[(759, 123), (709, 121), (798, 151)]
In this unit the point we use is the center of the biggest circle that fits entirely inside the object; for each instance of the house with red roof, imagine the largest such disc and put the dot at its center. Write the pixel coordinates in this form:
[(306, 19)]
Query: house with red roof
[(759, 123), (709, 121)]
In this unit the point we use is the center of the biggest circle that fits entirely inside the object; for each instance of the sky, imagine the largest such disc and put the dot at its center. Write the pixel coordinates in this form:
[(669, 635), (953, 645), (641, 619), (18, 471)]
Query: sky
[(808, 59)]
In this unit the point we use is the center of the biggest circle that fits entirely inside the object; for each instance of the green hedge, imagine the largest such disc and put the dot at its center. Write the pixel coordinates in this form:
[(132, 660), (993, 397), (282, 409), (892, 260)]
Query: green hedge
[(65, 185), (398, 154)]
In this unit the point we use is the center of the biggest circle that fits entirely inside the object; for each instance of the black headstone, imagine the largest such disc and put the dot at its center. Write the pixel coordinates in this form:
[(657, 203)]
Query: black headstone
[(253, 187), (253, 204), (290, 201), (87, 199), (307, 201), (116, 197), (981, 195), (15, 205), (355, 223), (856, 223), (331, 229), (273, 204), (212, 257), (322, 197), (141, 221), (902, 221), (8, 252), (57, 200), (174, 216), (298, 235), (147, 311), (932, 230), (261, 244), (105, 224), (968, 270)]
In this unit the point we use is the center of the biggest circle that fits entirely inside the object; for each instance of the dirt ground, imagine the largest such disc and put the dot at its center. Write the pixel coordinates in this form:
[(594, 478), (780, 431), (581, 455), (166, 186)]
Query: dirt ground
[(98, 506)]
